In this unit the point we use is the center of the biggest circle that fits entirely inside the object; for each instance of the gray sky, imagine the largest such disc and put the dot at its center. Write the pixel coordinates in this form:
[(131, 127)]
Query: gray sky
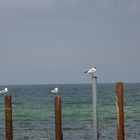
[(54, 41)]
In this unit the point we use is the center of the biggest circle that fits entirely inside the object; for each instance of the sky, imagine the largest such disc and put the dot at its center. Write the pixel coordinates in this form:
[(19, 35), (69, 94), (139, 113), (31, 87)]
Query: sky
[(55, 41)]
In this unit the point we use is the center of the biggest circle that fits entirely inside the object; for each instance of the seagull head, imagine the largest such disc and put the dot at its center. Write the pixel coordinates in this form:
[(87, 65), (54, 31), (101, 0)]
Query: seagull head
[(56, 89), (6, 89)]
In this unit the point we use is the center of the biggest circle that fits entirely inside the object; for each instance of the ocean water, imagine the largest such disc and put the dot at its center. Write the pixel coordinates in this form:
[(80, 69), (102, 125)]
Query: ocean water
[(33, 112)]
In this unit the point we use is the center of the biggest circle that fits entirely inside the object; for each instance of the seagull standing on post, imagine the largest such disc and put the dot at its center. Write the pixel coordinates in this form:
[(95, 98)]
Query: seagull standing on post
[(5, 90), (91, 71), (54, 91)]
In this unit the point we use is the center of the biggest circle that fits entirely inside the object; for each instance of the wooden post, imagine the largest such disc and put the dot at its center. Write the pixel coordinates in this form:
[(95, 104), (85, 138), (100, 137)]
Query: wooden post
[(8, 118), (58, 127), (95, 106), (120, 112)]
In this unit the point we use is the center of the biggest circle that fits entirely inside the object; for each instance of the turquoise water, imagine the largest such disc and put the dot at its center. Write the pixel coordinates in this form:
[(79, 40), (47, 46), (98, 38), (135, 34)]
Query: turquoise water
[(33, 112)]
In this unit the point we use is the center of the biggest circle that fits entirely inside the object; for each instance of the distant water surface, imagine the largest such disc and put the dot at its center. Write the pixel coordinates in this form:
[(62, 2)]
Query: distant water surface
[(33, 112)]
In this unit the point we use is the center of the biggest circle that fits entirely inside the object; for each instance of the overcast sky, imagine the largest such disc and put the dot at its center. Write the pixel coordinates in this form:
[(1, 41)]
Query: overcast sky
[(55, 41)]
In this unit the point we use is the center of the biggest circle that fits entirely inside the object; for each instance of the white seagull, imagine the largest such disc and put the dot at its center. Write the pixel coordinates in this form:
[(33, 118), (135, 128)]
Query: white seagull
[(55, 91), (5, 90), (91, 71)]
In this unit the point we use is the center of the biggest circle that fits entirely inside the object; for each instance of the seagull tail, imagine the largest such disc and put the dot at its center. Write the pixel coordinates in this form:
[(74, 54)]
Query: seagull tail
[(86, 72)]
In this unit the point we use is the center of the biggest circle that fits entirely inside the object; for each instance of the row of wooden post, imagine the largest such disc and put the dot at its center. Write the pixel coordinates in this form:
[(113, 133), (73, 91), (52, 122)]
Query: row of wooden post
[(8, 118), (58, 123)]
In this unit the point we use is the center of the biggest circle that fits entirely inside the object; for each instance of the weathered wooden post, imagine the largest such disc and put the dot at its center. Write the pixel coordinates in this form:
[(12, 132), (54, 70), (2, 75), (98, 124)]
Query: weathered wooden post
[(120, 111), (95, 106), (58, 124), (8, 118)]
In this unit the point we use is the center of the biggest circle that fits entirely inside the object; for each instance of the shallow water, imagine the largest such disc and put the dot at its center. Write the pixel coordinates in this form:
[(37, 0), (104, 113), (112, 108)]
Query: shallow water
[(33, 112)]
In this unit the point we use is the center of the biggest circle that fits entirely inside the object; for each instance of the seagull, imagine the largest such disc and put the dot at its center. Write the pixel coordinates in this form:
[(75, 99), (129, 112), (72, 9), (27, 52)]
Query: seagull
[(5, 90), (54, 90), (91, 71)]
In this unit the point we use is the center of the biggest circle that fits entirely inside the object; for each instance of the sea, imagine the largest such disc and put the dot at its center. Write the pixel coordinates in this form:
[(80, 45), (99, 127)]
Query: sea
[(34, 119)]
